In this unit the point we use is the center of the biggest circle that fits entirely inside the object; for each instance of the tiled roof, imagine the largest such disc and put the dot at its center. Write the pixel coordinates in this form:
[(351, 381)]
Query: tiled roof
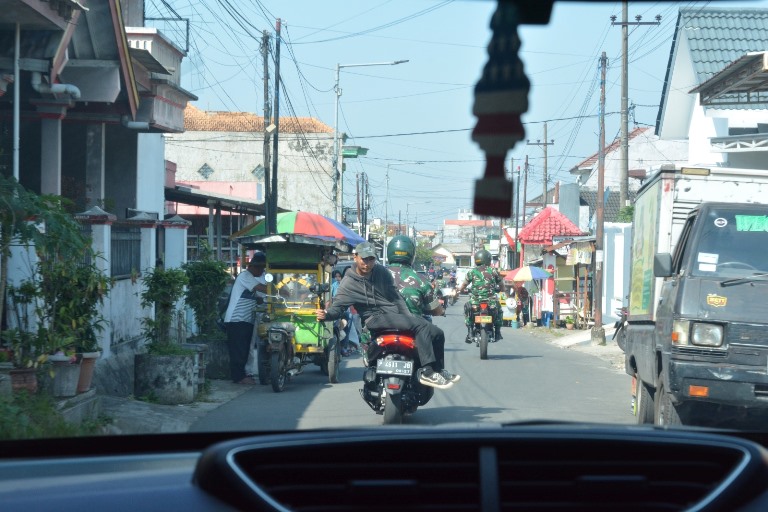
[(196, 120), (547, 223), (611, 206), (475, 222), (716, 37), (591, 162)]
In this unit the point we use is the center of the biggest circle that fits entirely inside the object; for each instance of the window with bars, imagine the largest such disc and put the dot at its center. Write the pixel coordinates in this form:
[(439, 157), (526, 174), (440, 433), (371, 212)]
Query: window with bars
[(126, 250)]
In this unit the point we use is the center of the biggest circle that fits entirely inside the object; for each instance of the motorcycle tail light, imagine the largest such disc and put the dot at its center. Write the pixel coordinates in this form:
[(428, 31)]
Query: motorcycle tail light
[(395, 339), (483, 306), (393, 386)]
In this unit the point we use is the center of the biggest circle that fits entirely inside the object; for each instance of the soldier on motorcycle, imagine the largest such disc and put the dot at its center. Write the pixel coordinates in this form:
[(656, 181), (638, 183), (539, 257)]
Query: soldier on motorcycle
[(419, 295), (486, 282)]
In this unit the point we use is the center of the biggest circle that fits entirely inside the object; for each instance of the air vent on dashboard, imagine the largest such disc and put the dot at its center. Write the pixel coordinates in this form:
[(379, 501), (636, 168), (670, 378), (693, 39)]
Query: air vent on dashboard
[(555, 469), (370, 476), (596, 475)]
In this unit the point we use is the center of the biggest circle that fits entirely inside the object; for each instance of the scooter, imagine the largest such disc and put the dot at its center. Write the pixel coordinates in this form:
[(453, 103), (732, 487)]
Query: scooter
[(391, 385)]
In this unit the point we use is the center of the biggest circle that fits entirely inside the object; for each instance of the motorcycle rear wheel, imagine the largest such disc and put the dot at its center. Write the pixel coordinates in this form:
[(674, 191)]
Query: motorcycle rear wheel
[(393, 409), (483, 344)]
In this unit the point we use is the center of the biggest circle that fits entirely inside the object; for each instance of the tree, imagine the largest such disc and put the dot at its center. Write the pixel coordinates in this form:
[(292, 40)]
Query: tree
[(423, 255), (626, 214)]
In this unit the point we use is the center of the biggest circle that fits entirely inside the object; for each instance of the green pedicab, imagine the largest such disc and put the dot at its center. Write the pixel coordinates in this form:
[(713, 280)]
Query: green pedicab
[(289, 337), (300, 257)]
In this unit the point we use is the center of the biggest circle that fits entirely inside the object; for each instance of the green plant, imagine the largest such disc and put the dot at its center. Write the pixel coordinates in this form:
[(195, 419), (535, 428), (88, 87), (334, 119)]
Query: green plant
[(25, 416), (568, 320), (207, 279), (626, 214), (163, 289), (56, 308)]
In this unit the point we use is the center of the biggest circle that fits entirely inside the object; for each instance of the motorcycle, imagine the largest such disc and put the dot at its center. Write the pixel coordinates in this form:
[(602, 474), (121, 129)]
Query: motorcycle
[(481, 319), (391, 385), (446, 297), (620, 333)]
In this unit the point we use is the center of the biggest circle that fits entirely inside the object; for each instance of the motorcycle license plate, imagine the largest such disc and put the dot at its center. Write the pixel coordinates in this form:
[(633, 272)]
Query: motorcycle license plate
[(390, 367), (485, 319)]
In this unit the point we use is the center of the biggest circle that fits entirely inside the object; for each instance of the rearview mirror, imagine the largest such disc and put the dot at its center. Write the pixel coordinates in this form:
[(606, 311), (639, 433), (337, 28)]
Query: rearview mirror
[(320, 288)]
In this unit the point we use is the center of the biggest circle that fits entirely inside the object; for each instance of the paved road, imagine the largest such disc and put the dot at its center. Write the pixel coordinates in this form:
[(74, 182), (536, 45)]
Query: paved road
[(525, 378)]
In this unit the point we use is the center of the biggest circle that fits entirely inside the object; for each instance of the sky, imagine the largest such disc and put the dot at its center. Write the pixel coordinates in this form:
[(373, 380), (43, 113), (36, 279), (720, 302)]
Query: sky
[(415, 118)]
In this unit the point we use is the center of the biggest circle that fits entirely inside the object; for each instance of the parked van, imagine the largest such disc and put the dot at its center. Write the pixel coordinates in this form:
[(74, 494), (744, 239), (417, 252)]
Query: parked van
[(698, 316)]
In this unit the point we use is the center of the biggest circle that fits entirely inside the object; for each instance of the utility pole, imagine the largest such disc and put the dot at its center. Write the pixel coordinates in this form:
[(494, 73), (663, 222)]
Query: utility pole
[(517, 213), (525, 198), (267, 119), (598, 333), (273, 203), (357, 193), (624, 160), (386, 204), (545, 144)]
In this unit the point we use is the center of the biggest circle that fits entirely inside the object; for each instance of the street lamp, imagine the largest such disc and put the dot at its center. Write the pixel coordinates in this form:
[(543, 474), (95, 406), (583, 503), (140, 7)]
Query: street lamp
[(386, 204), (407, 218), (338, 179)]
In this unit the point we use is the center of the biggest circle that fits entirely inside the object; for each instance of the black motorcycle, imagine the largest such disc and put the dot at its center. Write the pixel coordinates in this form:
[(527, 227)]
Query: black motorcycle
[(481, 319), (620, 333), (391, 385)]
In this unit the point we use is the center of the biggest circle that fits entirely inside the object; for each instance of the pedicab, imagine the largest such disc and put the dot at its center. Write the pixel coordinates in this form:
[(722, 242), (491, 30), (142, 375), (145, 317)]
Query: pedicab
[(288, 335)]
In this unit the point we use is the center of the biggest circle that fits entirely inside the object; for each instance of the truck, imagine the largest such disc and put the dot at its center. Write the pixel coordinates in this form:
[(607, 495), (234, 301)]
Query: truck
[(696, 333)]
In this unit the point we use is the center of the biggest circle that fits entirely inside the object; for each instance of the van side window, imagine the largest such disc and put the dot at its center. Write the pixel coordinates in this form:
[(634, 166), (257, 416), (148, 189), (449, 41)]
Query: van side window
[(683, 247)]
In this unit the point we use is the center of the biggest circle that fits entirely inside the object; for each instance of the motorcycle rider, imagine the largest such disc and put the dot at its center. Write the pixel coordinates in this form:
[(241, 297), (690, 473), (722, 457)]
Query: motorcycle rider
[(486, 282), (370, 288), (419, 296)]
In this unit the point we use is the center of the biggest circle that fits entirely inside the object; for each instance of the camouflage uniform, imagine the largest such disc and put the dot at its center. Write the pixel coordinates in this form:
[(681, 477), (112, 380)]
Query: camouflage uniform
[(418, 294), (485, 281)]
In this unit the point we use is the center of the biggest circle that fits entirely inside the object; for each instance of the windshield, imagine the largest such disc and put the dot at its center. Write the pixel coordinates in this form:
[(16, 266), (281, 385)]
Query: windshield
[(166, 157), (732, 243)]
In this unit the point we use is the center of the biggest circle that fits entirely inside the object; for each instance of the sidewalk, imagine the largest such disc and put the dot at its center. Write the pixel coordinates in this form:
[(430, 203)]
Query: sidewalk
[(131, 416), (581, 340)]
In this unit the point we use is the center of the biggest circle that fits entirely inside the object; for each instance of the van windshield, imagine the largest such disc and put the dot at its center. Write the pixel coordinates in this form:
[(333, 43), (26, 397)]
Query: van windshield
[(731, 243)]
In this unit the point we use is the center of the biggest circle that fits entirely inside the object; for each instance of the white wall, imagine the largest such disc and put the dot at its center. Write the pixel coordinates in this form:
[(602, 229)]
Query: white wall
[(305, 177), (617, 241), (150, 173)]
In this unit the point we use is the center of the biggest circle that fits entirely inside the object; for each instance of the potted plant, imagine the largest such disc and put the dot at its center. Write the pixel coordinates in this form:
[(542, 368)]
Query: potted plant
[(55, 310), (207, 280), (569, 322), (165, 373)]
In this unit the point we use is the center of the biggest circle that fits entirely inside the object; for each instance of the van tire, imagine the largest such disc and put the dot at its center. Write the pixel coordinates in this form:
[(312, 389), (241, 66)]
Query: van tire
[(644, 407), (665, 412)]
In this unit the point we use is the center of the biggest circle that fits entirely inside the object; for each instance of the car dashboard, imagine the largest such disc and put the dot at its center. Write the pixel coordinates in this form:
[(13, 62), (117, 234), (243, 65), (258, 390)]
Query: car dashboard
[(499, 468)]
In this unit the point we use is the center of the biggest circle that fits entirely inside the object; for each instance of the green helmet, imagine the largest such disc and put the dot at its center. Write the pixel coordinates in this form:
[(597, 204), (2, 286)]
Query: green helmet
[(401, 249), (482, 257)]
